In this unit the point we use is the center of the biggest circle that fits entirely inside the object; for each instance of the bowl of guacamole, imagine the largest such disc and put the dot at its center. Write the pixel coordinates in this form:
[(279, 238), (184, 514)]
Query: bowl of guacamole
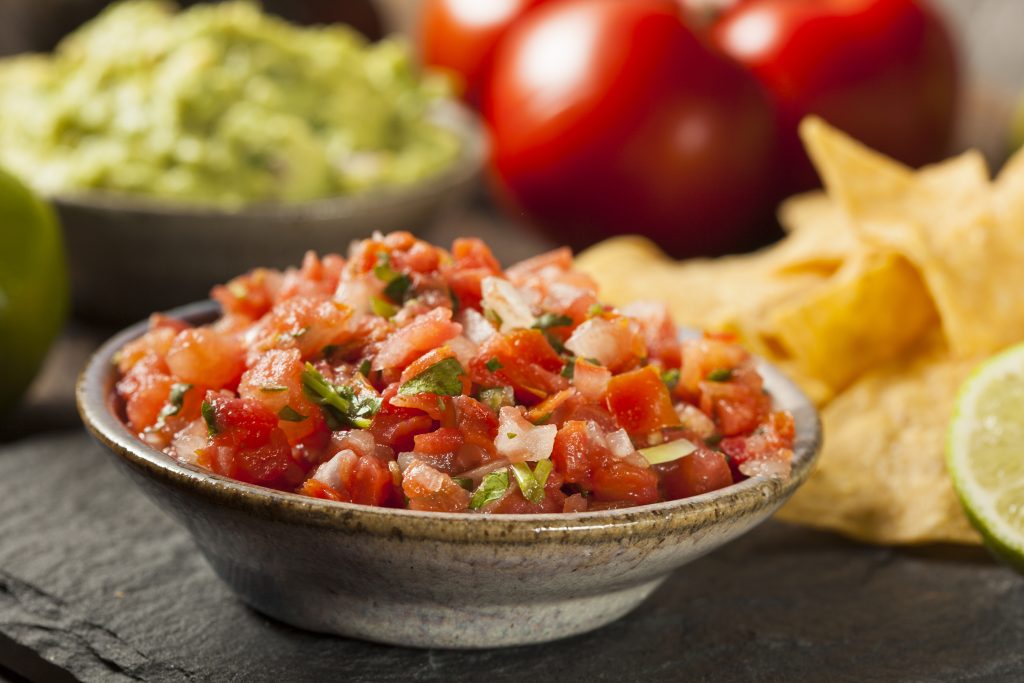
[(180, 146)]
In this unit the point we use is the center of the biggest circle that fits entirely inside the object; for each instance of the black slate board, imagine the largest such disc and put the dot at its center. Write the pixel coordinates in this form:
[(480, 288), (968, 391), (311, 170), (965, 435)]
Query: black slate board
[(98, 582)]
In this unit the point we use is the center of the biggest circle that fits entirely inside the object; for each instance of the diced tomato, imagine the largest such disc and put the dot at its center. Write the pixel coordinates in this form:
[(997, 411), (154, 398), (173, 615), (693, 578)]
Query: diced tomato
[(704, 356), (735, 408), (317, 489), (640, 401), (619, 480), (250, 295), (275, 381), (371, 482), (702, 471), (477, 424), (425, 333), (203, 356), (306, 323), (591, 380), (660, 333), (396, 426), (523, 360), (571, 454), (544, 412), (430, 490), (443, 440), (615, 342), (145, 390)]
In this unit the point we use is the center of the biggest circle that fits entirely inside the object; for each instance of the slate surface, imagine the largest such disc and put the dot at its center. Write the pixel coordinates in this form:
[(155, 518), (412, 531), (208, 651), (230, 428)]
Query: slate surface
[(95, 579)]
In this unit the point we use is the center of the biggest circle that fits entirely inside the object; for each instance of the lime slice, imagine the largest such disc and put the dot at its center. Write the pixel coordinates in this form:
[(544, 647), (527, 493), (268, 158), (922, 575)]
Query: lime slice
[(985, 452)]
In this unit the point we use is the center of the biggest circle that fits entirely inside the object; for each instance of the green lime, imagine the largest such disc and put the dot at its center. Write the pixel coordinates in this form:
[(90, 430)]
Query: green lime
[(33, 286), (985, 452)]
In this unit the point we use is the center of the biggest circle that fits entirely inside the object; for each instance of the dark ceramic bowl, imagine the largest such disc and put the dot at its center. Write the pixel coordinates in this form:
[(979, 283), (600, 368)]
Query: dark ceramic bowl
[(130, 255), (435, 579)]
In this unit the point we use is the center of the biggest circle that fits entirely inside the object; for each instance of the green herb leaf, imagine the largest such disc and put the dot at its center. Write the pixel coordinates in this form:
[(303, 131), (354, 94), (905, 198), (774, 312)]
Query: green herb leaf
[(210, 417), (175, 399), (397, 288), (595, 310), (511, 435), (569, 371), (549, 320), (532, 489), (491, 488), (272, 388), (670, 378), (492, 317), (543, 419), (464, 482), (441, 378), (382, 308), (720, 375), (341, 405), (494, 365), (456, 304), (289, 414), (300, 332), (397, 283), (541, 471), (364, 368)]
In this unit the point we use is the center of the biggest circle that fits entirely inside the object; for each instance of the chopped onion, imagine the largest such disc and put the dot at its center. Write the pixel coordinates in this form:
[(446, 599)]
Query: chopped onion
[(475, 326), (518, 439), (406, 459), (619, 444), (610, 342), (510, 304), (667, 452), (766, 467), (464, 349), (478, 473), (358, 440)]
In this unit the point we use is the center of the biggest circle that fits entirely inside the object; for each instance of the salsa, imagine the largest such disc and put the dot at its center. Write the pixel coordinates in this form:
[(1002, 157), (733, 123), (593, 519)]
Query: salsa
[(409, 376)]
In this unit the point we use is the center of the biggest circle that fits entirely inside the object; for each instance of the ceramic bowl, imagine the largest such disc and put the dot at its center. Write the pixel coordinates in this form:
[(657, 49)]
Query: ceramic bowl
[(130, 255), (435, 579)]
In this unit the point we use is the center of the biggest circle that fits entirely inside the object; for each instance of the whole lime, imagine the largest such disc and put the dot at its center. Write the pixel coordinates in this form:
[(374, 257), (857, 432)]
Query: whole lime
[(33, 286)]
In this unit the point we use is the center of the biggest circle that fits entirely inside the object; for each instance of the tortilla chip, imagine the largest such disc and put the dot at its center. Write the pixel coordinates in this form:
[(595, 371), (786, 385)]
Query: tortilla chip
[(869, 312), (882, 475), (945, 221)]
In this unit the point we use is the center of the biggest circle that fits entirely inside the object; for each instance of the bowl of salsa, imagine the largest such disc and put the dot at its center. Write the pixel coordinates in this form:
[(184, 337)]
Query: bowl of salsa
[(417, 446)]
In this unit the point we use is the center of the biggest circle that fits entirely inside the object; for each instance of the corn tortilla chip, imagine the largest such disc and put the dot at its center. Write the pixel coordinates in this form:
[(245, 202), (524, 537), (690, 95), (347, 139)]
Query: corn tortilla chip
[(882, 474)]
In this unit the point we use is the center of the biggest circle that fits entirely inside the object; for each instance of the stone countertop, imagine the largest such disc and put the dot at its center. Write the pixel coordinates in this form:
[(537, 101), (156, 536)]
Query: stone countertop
[(96, 583)]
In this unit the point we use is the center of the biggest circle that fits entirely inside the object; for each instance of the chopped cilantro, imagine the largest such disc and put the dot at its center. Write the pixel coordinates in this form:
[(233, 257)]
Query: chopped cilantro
[(532, 489), (595, 310), (569, 371), (456, 304), (273, 388), (542, 469), (494, 365), (397, 288), (670, 378), (511, 435), (549, 320), (397, 284), (364, 368), (382, 308), (720, 375), (210, 417), (289, 414), (464, 482), (543, 419), (175, 399), (442, 378), (491, 488), (341, 405), (300, 332), (713, 441), (492, 317)]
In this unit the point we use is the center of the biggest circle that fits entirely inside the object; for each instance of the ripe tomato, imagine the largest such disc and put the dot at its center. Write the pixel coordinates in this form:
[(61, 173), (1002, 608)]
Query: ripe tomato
[(882, 70), (612, 117), (460, 36)]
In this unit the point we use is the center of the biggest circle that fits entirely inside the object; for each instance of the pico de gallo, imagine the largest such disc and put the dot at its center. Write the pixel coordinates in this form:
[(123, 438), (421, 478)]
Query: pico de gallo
[(409, 376)]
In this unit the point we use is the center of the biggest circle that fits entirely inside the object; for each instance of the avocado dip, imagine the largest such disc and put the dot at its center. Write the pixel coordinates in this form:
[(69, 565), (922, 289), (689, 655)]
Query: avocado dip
[(219, 105)]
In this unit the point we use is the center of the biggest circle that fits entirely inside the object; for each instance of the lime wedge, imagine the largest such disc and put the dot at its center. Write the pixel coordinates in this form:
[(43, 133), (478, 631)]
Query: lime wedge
[(985, 452)]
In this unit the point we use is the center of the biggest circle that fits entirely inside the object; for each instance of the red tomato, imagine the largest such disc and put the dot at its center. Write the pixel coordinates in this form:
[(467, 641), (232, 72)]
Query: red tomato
[(611, 117), (640, 401), (884, 71), (699, 472), (460, 36)]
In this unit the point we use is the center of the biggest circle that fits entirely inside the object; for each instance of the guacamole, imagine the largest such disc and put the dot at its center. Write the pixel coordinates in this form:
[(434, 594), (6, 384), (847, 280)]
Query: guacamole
[(218, 104)]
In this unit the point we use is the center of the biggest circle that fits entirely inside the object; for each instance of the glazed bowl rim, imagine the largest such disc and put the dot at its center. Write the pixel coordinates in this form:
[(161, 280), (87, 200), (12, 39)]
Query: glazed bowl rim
[(474, 147), (95, 402)]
